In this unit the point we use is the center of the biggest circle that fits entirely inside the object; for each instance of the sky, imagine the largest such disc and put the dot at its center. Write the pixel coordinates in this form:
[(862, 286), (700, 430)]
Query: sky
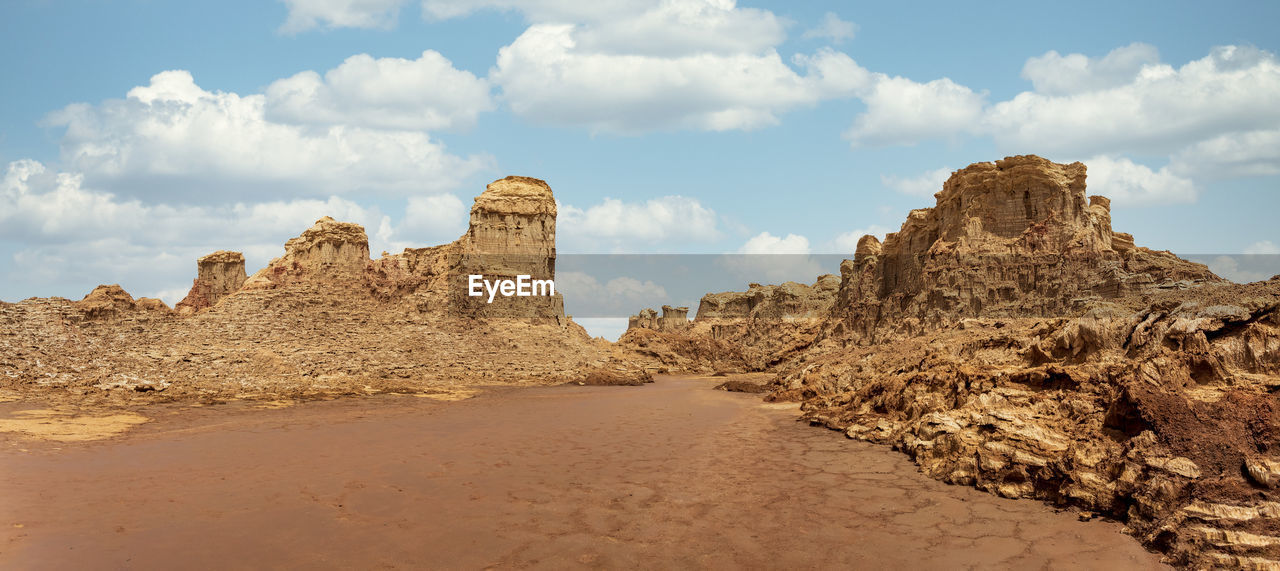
[(138, 135)]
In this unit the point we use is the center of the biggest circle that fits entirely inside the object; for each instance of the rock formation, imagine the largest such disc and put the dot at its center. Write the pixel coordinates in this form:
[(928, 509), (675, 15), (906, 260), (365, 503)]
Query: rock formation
[(672, 319), (1012, 238), (321, 319), (217, 275), (1009, 339), (735, 331), (111, 301)]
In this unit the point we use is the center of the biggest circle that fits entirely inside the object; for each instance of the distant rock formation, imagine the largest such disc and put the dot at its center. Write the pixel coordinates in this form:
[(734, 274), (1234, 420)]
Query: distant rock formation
[(111, 301), (735, 331), (790, 300), (672, 319), (217, 275)]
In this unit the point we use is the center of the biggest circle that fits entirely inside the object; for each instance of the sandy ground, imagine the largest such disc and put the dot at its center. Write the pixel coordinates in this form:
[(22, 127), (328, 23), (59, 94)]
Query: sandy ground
[(672, 474)]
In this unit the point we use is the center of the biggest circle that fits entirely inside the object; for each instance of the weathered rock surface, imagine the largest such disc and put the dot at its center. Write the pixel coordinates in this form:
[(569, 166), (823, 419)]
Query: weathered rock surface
[(672, 319), (735, 331), (321, 319), (1012, 238), (217, 275), (1010, 340)]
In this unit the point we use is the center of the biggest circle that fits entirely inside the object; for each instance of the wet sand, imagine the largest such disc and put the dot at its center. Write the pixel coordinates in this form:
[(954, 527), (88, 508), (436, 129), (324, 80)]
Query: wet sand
[(672, 474)]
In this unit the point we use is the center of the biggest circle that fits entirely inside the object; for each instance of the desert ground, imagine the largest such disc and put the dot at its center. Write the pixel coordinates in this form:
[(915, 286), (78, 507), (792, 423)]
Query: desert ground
[(671, 474)]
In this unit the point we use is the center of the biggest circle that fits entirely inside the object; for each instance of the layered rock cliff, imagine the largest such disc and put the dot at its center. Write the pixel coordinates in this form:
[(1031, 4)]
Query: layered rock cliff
[(735, 331), (1007, 338), (217, 275), (1012, 238), (321, 319)]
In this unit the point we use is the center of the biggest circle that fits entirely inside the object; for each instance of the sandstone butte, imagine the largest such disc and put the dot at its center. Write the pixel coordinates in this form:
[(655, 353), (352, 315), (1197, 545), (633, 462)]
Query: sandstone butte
[(1006, 338)]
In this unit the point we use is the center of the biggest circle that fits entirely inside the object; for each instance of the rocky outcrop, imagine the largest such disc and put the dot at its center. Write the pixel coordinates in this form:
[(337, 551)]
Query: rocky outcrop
[(321, 319), (1009, 339), (1012, 238), (672, 319), (511, 233), (108, 302), (328, 251), (734, 331), (217, 275), (790, 300)]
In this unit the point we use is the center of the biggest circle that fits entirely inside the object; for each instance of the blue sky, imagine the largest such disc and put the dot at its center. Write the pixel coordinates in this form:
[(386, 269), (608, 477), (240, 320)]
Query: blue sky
[(137, 135)]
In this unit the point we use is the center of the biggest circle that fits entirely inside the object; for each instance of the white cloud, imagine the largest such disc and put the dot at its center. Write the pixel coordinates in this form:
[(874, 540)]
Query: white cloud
[(1229, 268), (847, 242), (766, 243), (615, 225), (925, 184), (766, 258), (1126, 182), (903, 112), (831, 27), (1159, 110), (1056, 74), (307, 14), (173, 139), (1248, 153), (427, 93), (64, 235), (539, 10), (639, 67), (586, 296), (437, 218), (1265, 247), (546, 79)]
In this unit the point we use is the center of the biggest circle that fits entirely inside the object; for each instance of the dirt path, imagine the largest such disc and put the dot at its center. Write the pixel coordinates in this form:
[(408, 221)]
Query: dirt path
[(672, 474)]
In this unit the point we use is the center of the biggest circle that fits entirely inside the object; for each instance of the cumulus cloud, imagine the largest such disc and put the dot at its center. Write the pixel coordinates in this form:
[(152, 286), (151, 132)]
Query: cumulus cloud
[(675, 64), (1238, 269), (427, 93), (1247, 153), (766, 243), (766, 258), (1056, 74), (1126, 182), (925, 184), (545, 78), (903, 112), (586, 295), (1159, 109), (175, 140), (539, 10), (615, 225), (831, 27), (1265, 248), (307, 14), (439, 217), (62, 234)]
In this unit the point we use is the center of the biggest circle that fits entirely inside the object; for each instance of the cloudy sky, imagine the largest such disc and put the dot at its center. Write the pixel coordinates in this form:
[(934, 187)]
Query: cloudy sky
[(137, 135)]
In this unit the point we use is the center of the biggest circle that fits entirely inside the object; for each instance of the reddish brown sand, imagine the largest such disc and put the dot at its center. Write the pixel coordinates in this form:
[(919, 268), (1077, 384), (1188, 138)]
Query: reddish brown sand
[(672, 474)]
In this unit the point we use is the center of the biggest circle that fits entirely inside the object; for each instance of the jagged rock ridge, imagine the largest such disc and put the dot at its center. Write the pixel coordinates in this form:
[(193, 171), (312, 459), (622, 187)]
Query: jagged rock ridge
[(1012, 238), (321, 319)]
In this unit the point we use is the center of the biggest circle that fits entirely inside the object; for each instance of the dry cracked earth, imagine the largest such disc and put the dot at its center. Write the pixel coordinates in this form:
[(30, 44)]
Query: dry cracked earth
[(670, 474)]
